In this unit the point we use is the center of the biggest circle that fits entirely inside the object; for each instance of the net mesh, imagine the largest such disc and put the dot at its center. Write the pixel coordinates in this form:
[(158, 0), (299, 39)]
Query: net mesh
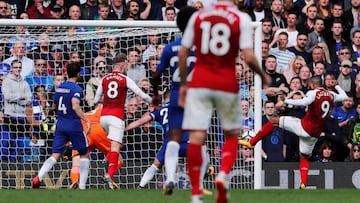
[(21, 158)]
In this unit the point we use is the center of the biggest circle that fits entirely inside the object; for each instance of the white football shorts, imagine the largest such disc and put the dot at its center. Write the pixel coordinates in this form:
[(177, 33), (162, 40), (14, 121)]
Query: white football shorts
[(200, 104), (293, 124), (114, 127)]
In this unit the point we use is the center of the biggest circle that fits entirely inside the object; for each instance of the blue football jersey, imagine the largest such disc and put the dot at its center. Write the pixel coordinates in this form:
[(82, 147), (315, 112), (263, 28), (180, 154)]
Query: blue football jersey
[(170, 59), (161, 115), (67, 118)]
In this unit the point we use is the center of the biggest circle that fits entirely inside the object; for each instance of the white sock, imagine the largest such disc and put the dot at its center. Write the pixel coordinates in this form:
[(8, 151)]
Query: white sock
[(204, 165), (196, 199), (148, 175), (84, 172), (47, 165), (171, 160)]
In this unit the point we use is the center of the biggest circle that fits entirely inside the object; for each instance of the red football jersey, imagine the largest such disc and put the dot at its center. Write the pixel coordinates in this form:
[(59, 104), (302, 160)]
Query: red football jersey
[(114, 90), (217, 33), (317, 113)]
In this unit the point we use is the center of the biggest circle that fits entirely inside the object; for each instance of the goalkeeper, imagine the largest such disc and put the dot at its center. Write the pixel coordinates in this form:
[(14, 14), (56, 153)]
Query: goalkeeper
[(97, 139), (160, 115)]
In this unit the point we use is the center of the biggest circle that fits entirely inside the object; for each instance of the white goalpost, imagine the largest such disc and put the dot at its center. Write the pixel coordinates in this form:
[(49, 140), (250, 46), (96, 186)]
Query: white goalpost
[(20, 160)]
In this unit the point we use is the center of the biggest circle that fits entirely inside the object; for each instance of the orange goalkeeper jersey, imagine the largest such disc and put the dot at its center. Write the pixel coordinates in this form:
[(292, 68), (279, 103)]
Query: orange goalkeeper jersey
[(97, 137)]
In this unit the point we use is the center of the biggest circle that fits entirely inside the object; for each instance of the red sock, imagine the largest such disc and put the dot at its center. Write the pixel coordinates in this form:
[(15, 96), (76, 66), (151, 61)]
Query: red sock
[(304, 170), (194, 161), (229, 153), (264, 131), (113, 162)]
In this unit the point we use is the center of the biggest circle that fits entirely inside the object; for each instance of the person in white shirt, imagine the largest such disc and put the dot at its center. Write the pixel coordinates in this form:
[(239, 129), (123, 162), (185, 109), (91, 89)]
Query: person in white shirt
[(18, 53)]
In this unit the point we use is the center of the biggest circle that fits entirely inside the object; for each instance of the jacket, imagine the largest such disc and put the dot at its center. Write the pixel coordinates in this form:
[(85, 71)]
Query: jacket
[(17, 96)]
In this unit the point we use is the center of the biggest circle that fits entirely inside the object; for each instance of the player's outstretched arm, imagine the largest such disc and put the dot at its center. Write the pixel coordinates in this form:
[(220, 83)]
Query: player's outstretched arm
[(98, 94), (132, 85), (144, 119), (308, 99), (342, 96)]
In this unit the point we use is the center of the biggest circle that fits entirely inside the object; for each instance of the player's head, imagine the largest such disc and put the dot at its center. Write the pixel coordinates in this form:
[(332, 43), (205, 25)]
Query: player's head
[(183, 17), (315, 82), (73, 70), (120, 63)]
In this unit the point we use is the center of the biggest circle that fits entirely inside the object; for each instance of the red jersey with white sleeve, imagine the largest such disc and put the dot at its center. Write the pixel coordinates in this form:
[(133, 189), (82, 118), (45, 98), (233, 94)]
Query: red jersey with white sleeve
[(217, 33), (114, 87), (320, 102)]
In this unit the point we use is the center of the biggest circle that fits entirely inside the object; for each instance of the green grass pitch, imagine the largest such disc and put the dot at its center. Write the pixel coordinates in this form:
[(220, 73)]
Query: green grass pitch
[(179, 196)]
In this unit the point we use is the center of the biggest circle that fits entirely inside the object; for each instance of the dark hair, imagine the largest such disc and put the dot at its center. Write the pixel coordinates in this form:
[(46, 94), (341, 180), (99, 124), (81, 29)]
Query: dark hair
[(271, 56), (73, 69), (133, 49), (324, 145), (15, 61), (36, 89), (170, 8), (266, 20), (293, 12), (284, 33), (302, 33), (183, 17), (321, 62)]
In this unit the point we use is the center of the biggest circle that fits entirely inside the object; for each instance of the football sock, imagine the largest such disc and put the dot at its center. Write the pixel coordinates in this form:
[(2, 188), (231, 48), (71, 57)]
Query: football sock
[(194, 162), (171, 160), (304, 170), (204, 166), (229, 153), (75, 174), (113, 162), (48, 164), (148, 175), (264, 131), (84, 172)]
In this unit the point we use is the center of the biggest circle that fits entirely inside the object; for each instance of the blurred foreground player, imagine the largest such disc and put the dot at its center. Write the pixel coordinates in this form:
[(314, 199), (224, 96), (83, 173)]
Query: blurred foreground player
[(169, 60), (215, 32)]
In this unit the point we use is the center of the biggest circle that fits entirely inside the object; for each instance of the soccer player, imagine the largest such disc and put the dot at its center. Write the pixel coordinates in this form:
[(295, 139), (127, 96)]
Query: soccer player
[(97, 139), (169, 59), (113, 89), (319, 102), (217, 33), (160, 115), (68, 126)]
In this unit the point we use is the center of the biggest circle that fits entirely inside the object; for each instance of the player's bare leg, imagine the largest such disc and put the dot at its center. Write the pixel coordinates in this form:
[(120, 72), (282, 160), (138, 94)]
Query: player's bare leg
[(172, 159), (75, 171)]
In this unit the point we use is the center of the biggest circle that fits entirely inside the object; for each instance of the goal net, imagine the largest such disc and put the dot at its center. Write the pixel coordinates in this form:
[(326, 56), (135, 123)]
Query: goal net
[(95, 43)]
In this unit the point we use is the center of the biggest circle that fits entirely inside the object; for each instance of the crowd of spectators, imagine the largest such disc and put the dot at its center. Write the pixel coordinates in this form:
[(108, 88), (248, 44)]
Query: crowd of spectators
[(300, 38)]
